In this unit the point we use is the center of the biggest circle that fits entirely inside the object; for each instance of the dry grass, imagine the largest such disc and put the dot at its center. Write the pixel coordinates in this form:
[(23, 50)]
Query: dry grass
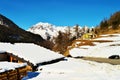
[(110, 31), (84, 42), (101, 41)]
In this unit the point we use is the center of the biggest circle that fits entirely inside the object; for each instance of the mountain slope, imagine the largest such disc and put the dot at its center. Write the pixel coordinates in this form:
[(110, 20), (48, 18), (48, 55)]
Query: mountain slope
[(10, 32)]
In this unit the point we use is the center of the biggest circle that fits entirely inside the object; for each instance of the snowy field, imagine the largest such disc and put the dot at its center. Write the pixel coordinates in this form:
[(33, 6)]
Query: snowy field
[(103, 50), (76, 69)]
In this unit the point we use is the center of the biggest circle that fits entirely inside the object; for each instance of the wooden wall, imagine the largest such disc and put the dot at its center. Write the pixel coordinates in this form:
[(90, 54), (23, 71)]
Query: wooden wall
[(4, 57), (16, 74)]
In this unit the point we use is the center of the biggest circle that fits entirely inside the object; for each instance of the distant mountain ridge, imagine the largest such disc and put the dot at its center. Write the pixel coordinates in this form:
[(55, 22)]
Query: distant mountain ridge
[(48, 31), (10, 32)]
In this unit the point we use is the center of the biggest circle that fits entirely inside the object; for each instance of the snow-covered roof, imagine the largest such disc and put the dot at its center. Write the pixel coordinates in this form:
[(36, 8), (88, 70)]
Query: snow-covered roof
[(30, 52), (2, 51), (5, 66)]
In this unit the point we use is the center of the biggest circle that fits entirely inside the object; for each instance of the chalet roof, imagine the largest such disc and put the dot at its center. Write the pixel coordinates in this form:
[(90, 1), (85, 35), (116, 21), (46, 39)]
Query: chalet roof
[(6, 66), (30, 52)]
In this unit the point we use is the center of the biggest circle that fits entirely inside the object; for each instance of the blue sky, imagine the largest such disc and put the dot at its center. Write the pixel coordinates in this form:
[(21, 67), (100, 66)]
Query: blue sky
[(26, 13)]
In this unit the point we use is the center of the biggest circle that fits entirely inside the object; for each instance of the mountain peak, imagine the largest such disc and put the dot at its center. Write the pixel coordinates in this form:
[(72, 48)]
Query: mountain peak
[(43, 23), (46, 30)]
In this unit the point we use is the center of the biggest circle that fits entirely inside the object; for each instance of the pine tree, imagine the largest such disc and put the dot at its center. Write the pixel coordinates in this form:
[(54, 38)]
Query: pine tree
[(77, 30), (114, 20), (104, 24)]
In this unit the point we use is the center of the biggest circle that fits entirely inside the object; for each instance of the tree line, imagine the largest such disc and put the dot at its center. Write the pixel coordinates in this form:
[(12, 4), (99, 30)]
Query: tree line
[(112, 23)]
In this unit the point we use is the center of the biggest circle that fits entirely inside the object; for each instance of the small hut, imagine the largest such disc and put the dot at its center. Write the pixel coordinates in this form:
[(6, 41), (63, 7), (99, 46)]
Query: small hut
[(90, 35)]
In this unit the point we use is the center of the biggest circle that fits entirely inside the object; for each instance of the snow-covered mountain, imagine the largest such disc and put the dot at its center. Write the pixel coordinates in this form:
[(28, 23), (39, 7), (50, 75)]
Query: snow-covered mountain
[(48, 31)]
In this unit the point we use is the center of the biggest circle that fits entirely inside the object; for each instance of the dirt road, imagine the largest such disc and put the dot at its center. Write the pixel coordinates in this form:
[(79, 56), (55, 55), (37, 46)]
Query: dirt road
[(103, 60)]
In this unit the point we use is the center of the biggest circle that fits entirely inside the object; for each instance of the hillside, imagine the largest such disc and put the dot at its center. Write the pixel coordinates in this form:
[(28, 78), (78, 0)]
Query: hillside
[(110, 25), (10, 32), (102, 47)]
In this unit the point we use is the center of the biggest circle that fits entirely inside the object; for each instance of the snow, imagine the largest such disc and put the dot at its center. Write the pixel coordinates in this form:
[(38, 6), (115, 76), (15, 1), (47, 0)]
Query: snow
[(106, 35), (77, 69), (70, 68), (113, 37), (103, 50), (30, 52), (5, 66)]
